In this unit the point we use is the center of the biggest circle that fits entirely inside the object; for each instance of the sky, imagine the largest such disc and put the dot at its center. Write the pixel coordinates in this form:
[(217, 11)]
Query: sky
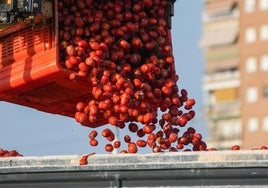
[(35, 133)]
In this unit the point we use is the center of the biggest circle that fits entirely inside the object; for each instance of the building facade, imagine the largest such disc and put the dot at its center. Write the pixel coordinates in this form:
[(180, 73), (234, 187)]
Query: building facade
[(254, 71), (220, 42), (235, 45)]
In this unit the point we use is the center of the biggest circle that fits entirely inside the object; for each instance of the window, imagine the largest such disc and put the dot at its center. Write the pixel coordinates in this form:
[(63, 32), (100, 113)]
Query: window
[(230, 129), (253, 124), (249, 6), (252, 94), (251, 64), (265, 91), (265, 123), (264, 62), (212, 98), (227, 130), (250, 34), (264, 32), (263, 4)]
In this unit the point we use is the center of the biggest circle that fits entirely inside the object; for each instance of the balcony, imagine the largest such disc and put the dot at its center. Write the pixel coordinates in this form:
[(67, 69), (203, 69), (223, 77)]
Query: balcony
[(220, 9), (224, 53), (220, 34), (222, 15), (224, 75), (223, 110)]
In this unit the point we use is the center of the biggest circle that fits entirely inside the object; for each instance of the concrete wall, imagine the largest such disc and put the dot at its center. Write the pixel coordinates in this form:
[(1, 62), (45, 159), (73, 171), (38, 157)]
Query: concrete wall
[(187, 169)]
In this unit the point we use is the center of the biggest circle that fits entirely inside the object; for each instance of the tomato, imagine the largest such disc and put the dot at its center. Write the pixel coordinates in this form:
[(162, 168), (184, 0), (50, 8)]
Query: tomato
[(109, 147), (141, 143), (116, 144), (93, 134), (235, 147), (132, 147), (133, 127), (93, 142)]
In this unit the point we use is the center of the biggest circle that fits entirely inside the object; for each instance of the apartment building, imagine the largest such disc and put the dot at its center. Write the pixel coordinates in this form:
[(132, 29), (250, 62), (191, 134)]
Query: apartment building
[(254, 71), (235, 45)]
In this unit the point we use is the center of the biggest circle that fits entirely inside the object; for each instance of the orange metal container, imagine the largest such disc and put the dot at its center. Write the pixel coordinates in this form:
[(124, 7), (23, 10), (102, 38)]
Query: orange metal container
[(31, 75)]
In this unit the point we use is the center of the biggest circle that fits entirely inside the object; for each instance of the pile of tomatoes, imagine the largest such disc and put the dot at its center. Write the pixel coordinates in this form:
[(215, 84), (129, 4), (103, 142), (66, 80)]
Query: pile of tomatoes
[(9, 153)]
